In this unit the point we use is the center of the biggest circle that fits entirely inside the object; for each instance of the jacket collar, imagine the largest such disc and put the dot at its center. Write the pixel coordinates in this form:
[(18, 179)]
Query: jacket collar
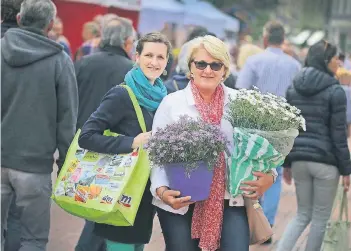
[(115, 50), (275, 50), (190, 98)]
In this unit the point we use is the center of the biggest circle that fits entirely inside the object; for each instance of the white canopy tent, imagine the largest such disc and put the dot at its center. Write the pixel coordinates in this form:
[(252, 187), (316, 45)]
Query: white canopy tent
[(154, 14), (205, 14)]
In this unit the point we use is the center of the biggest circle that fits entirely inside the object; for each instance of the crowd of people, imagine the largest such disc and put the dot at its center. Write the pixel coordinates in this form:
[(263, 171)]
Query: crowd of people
[(46, 96)]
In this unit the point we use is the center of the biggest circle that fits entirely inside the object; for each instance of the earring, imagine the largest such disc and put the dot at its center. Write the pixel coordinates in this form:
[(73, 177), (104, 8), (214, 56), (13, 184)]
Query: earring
[(164, 73)]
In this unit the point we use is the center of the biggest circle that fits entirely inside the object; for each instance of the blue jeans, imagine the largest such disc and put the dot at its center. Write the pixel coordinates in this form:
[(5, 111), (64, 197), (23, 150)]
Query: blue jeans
[(88, 241), (270, 201), (176, 230)]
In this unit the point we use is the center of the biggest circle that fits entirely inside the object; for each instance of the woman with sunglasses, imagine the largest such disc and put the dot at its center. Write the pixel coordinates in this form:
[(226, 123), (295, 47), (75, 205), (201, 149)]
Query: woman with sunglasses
[(220, 222), (320, 154)]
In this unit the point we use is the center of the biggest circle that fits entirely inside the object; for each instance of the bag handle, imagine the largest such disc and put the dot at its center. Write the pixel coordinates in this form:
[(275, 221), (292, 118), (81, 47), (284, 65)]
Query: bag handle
[(344, 209), (137, 108), (175, 84)]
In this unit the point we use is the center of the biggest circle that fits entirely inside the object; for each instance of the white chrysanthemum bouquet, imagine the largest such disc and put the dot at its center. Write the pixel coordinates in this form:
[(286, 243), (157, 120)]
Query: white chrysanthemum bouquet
[(265, 127)]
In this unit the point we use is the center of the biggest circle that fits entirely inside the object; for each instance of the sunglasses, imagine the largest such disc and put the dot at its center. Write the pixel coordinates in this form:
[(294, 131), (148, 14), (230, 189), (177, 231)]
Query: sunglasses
[(201, 65)]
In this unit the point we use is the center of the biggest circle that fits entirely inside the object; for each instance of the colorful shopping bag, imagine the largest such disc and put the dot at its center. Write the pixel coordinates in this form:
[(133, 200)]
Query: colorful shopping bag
[(100, 187), (337, 233)]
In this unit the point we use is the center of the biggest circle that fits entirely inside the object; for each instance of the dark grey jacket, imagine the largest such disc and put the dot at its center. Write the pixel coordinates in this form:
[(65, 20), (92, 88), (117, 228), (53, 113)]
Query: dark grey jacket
[(322, 102), (39, 101), (96, 75), (116, 112)]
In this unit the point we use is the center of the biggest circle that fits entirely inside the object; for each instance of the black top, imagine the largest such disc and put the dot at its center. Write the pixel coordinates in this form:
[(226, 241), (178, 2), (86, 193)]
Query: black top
[(323, 104), (116, 112), (96, 75)]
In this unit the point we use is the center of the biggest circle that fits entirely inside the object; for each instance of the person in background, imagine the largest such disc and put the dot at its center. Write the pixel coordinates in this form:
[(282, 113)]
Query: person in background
[(91, 38), (344, 61), (320, 154), (59, 37), (98, 19), (344, 77), (288, 49), (179, 80), (270, 71), (245, 51), (116, 112), (234, 52), (9, 11), (39, 105), (96, 75), (214, 224)]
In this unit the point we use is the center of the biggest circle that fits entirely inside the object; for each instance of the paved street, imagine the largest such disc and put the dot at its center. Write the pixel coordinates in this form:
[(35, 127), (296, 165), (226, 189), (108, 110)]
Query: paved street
[(65, 229)]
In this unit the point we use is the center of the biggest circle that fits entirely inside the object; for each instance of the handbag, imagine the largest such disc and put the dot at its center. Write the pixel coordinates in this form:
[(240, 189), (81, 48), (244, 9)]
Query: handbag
[(337, 232), (260, 229), (104, 188)]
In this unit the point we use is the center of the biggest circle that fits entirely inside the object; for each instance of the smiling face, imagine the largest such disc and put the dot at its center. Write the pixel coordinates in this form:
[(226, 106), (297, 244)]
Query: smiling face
[(206, 79), (152, 60)]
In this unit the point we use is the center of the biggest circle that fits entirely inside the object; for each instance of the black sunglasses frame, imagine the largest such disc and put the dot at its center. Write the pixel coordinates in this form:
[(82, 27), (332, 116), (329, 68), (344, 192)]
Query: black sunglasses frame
[(214, 65)]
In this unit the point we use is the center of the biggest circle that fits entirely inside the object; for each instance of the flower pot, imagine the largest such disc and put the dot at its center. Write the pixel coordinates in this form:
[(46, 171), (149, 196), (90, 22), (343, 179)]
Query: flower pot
[(198, 185)]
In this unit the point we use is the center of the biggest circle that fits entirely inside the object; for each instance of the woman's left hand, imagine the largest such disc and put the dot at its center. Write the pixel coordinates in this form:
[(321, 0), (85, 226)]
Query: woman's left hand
[(259, 186)]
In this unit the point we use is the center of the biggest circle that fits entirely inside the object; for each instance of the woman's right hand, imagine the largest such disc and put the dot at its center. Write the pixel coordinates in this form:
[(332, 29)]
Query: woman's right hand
[(169, 197), (346, 183), (141, 139)]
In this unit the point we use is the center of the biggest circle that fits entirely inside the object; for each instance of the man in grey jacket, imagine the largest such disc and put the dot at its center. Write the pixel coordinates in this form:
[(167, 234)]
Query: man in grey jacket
[(39, 105)]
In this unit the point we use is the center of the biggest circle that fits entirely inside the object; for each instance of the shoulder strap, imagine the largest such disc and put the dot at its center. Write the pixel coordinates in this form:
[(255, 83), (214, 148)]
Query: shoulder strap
[(137, 108)]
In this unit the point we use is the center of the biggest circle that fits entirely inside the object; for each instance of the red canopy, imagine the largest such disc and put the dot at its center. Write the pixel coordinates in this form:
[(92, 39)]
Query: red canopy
[(75, 14)]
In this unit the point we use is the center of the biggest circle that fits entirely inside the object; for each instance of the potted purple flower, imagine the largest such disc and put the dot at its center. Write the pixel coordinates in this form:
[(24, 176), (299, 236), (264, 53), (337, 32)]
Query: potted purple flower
[(188, 150)]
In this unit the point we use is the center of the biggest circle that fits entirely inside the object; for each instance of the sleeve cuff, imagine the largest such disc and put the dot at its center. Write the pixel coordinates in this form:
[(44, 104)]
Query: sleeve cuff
[(158, 179), (126, 144)]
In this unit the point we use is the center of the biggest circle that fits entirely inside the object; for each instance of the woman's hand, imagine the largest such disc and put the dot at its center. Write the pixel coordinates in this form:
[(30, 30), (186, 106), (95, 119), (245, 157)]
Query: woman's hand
[(141, 139), (346, 182), (259, 186), (287, 175), (169, 197)]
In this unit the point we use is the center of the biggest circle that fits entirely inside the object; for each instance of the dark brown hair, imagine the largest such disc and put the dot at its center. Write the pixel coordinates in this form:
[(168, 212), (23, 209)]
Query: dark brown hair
[(319, 56), (153, 37), (275, 32)]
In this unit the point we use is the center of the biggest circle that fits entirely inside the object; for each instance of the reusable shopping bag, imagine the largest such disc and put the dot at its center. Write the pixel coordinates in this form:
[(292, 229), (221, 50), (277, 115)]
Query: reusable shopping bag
[(336, 237), (103, 188)]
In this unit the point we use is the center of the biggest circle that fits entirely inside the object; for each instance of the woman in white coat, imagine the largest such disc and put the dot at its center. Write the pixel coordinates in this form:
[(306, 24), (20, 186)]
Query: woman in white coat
[(220, 222)]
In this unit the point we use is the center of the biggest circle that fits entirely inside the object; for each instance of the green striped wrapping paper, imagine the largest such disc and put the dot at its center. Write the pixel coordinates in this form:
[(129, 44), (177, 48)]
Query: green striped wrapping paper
[(254, 153)]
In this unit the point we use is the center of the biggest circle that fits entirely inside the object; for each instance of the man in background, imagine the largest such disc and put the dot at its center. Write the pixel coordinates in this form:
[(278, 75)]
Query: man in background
[(39, 105), (9, 11), (57, 35), (271, 71)]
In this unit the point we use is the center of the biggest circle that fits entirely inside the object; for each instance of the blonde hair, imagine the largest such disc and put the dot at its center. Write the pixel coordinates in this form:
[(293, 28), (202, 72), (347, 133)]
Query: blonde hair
[(245, 52), (93, 27), (344, 76), (214, 46)]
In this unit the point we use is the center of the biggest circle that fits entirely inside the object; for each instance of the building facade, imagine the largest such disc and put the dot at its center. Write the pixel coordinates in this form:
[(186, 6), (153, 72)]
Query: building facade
[(339, 24)]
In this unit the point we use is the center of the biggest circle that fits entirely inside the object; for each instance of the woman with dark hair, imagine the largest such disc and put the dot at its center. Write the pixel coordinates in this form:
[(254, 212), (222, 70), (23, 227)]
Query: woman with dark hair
[(116, 113), (320, 154)]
